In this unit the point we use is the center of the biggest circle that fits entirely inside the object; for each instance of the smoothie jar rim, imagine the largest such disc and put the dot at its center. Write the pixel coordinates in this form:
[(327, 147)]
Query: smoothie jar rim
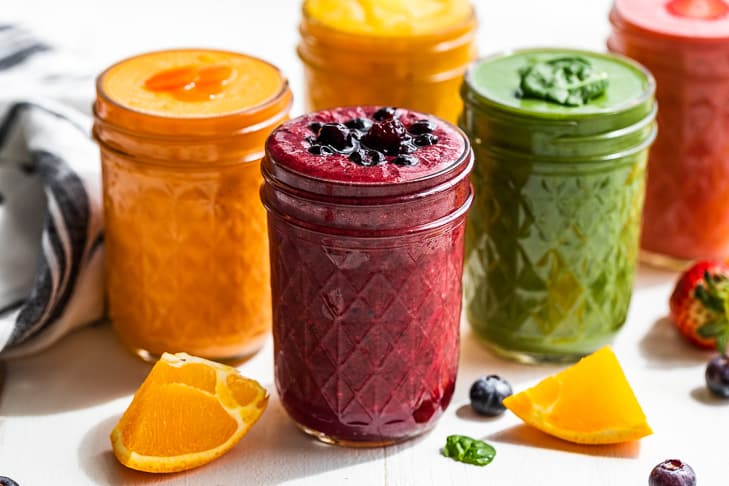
[(252, 110), (462, 162), (645, 97), (420, 39)]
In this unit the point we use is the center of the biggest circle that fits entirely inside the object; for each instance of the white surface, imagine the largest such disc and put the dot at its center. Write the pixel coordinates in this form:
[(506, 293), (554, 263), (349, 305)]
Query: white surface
[(57, 409)]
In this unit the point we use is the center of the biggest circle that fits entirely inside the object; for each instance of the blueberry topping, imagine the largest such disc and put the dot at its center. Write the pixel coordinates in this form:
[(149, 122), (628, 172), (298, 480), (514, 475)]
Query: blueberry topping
[(362, 124), (407, 147), (422, 126), (386, 113), (6, 481), (672, 472), (314, 127), (717, 376), (405, 160), (335, 135), (367, 157), (369, 142), (321, 150), (487, 394), (386, 136), (425, 139)]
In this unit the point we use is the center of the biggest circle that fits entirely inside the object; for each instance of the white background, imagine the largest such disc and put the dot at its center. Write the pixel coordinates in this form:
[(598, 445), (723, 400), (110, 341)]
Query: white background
[(57, 409)]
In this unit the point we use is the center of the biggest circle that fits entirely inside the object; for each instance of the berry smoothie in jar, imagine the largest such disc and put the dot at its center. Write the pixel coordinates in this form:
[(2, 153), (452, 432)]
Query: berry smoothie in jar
[(366, 212), (182, 134), (409, 53), (685, 44), (560, 139)]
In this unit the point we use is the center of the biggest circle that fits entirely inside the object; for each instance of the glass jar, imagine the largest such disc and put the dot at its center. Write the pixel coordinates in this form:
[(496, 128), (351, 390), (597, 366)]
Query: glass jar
[(686, 213), (366, 267), (421, 71), (185, 244), (552, 237)]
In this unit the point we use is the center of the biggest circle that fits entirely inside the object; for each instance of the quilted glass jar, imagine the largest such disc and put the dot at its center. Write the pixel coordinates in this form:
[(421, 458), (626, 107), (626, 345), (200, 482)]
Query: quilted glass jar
[(366, 265), (552, 237), (685, 45), (181, 136)]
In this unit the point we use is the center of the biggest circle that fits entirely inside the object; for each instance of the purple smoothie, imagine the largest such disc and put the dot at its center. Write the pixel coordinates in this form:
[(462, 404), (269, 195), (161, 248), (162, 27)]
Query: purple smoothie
[(366, 271)]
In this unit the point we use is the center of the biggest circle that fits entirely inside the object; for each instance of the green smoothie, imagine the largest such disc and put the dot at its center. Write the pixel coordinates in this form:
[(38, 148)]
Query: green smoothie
[(560, 139)]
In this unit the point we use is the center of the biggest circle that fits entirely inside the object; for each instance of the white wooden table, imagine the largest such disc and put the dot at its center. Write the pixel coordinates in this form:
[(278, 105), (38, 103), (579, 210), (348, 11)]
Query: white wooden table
[(57, 409)]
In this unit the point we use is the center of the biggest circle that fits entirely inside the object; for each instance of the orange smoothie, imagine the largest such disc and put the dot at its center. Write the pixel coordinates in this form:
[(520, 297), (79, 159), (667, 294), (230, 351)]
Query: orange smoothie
[(181, 135)]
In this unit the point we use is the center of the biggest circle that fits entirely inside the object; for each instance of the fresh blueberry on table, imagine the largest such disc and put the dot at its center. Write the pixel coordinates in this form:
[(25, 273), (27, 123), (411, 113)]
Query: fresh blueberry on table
[(6, 481), (717, 376), (672, 472), (487, 394)]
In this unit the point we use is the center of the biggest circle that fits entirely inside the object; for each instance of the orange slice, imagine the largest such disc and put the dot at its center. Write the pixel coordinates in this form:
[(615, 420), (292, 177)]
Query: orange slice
[(590, 402), (187, 412)]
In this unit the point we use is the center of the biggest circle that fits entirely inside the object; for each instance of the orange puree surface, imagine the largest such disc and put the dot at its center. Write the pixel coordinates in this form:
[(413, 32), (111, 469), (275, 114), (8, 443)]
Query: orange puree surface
[(186, 246), (192, 83)]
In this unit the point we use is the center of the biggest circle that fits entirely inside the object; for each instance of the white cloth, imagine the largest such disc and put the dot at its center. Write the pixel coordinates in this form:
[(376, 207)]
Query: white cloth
[(50, 204)]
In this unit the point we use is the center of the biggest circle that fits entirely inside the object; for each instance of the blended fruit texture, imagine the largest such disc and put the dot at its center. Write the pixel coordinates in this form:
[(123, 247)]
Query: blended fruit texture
[(186, 248), (366, 289), (552, 236), (685, 44), (391, 17)]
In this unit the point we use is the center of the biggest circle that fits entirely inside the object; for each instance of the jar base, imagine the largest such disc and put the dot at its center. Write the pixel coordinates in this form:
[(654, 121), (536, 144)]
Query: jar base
[(663, 262), (365, 444), (236, 359), (532, 358)]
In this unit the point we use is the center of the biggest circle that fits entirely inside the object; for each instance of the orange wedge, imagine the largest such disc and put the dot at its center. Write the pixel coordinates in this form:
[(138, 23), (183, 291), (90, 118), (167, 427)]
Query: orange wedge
[(187, 412), (590, 402)]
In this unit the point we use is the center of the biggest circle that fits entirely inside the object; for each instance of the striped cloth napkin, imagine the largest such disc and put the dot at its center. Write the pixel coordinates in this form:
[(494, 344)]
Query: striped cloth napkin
[(50, 204)]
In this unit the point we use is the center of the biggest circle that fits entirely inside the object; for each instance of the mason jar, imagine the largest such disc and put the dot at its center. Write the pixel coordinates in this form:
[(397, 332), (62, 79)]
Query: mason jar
[(182, 134), (416, 63), (366, 265), (552, 237), (686, 214)]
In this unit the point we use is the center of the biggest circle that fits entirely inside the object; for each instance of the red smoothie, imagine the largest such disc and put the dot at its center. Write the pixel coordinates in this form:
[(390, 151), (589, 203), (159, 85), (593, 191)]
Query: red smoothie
[(367, 255), (685, 44)]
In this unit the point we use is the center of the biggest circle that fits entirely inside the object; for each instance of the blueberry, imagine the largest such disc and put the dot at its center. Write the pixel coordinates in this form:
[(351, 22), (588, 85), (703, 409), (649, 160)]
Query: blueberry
[(672, 472), (321, 150), (314, 127), (406, 160), (386, 136), (487, 394), (717, 376), (367, 157), (426, 139), (362, 124), (6, 481), (407, 147), (422, 126), (335, 135), (386, 113)]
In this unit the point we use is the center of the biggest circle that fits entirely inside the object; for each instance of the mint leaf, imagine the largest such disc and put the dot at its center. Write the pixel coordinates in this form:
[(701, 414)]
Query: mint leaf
[(569, 81), (471, 451)]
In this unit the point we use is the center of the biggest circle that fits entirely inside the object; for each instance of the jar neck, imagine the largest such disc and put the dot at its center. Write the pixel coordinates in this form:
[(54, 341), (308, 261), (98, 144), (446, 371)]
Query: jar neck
[(427, 57), (225, 139), (589, 138), (693, 57)]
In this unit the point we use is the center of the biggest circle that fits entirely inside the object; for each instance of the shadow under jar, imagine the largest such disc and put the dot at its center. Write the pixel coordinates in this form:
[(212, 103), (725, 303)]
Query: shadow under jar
[(685, 45), (552, 237), (414, 59), (366, 265), (182, 134)]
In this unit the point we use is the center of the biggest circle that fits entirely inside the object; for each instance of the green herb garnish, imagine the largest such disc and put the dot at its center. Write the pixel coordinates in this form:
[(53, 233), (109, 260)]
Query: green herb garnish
[(468, 450), (569, 81)]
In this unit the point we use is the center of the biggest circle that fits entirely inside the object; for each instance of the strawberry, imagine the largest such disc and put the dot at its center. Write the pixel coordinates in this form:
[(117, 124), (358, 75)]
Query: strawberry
[(700, 305), (698, 9)]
